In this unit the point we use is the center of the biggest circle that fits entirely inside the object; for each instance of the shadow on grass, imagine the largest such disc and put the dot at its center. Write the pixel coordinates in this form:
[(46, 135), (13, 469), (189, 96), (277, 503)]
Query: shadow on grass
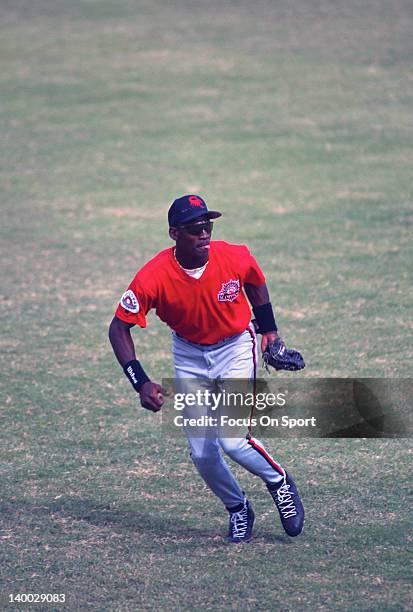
[(124, 520), (266, 537)]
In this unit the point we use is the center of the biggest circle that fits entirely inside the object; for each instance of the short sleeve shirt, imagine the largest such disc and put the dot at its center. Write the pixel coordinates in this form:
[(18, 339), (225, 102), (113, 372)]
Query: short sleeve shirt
[(204, 310)]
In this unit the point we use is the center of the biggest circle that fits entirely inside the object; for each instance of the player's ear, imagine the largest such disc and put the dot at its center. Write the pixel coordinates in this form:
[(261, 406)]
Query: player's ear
[(173, 233)]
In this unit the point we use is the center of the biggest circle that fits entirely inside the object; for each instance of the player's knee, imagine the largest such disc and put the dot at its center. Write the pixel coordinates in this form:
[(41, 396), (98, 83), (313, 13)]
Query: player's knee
[(203, 458), (232, 446)]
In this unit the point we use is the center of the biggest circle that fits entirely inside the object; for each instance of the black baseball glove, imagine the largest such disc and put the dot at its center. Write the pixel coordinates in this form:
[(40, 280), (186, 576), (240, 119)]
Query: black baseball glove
[(280, 357)]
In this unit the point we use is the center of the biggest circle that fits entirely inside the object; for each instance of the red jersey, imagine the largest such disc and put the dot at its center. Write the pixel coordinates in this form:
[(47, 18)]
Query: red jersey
[(204, 310)]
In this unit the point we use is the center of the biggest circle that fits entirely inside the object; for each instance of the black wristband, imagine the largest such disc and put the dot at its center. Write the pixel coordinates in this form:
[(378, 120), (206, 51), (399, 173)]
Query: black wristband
[(265, 318), (136, 374)]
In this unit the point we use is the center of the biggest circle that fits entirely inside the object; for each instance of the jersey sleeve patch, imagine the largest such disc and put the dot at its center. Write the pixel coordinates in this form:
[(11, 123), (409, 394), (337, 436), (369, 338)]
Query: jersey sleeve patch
[(129, 301)]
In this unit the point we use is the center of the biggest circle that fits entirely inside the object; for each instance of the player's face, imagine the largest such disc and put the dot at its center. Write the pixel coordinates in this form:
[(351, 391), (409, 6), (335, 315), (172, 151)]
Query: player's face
[(193, 239)]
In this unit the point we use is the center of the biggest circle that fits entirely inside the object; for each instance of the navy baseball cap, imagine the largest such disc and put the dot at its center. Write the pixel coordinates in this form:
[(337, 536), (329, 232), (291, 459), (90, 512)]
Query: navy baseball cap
[(188, 208)]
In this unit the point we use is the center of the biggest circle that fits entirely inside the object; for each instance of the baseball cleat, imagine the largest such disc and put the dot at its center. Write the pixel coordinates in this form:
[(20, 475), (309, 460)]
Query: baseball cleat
[(241, 523), (289, 505)]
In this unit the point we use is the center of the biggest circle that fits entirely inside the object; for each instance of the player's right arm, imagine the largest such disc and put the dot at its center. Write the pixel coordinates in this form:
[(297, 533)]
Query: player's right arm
[(120, 337)]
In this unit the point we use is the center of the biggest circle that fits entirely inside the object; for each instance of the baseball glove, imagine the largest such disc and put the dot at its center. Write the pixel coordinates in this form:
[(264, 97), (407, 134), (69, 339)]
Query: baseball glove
[(280, 357)]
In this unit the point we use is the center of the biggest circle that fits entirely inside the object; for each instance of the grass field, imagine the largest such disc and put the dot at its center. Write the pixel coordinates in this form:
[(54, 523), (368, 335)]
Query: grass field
[(294, 118)]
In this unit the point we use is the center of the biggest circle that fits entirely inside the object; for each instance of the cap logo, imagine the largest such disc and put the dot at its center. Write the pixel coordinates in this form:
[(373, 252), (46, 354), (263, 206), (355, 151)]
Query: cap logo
[(195, 201)]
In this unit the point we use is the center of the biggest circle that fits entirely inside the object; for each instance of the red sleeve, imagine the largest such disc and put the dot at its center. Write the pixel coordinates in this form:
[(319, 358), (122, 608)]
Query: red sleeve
[(136, 302), (252, 272)]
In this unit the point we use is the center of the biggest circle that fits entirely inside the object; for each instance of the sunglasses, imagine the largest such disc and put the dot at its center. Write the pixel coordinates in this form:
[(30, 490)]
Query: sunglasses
[(196, 229)]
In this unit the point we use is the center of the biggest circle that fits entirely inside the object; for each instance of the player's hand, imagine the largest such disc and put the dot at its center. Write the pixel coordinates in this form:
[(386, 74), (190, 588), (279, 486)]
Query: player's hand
[(266, 338), (152, 396)]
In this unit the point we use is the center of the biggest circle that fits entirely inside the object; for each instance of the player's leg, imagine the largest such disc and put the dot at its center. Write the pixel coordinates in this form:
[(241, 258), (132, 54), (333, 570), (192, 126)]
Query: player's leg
[(215, 472), (205, 451), (208, 460), (190, 368), (252, 455), (239, 361)]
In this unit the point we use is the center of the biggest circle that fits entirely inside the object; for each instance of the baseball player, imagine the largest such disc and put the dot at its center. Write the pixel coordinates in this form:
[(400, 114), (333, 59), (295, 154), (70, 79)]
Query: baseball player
[(199, 288)]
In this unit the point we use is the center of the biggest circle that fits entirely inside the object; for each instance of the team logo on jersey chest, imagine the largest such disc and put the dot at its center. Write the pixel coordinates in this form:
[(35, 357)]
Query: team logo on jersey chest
[(129, 301), (229, 291)]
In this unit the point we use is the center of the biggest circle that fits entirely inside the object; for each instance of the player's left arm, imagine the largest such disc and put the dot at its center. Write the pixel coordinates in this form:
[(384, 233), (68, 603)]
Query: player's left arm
[(274, 351), (259, 299)]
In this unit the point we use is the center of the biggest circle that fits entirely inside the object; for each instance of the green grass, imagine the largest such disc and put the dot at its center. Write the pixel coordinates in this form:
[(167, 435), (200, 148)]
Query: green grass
[(295, 120)]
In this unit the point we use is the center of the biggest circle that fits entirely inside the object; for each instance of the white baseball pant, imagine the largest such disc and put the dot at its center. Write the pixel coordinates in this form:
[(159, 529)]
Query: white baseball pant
[(234, 357)]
